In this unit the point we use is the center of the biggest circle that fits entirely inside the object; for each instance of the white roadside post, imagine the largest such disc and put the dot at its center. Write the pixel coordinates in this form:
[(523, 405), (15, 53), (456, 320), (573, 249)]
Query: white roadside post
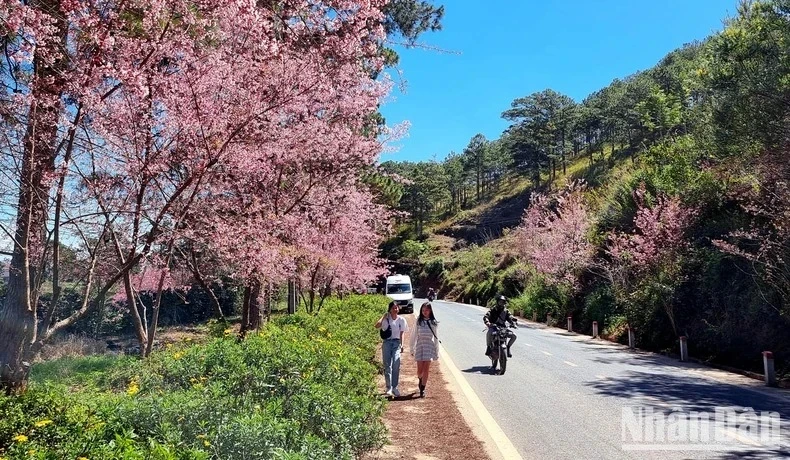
[(595, 329), (570, 324), (768, 364), (684, 348), (631, 338)]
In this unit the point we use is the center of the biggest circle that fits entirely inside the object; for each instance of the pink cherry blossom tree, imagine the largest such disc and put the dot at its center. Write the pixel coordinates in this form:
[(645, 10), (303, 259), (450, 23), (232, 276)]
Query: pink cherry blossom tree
[(342, 252), (648, 261), (132, 114), (553, 235)]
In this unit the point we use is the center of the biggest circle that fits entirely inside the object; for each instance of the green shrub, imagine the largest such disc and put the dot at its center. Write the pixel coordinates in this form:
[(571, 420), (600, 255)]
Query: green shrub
[(599, 305), (435, 268), (304, 387), (540, 297), (411, 249), (477, 263)]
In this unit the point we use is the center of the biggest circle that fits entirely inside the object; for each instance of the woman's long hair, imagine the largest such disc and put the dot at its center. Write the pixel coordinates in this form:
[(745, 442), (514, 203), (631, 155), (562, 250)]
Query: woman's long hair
[(422, 319)]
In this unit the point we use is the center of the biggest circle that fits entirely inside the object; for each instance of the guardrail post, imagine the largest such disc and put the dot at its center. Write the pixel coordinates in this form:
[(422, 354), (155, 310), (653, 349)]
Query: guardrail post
[(631, 338), (570, 323), (595, 329), (768, 364), (684, 348)]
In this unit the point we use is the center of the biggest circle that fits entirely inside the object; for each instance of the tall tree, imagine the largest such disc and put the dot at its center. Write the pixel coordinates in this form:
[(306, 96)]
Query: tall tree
[(476, 156), (547, 118), (748, 65), (125, 108)]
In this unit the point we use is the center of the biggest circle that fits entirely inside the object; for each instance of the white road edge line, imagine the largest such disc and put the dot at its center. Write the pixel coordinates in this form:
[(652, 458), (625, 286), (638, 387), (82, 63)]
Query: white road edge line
[(547, 353), (570, 364), (503, 444), (499, 438)]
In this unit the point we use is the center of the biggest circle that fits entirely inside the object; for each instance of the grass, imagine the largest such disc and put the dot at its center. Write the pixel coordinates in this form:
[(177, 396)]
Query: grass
[(76, 370), (579, 167)]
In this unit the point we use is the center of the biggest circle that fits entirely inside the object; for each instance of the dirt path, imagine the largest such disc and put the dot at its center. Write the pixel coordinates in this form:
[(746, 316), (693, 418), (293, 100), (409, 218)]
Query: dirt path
[(426, 428)]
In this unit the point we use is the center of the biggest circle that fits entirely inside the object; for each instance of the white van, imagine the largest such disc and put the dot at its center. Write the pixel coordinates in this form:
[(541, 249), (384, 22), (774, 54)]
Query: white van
[(399, 289)]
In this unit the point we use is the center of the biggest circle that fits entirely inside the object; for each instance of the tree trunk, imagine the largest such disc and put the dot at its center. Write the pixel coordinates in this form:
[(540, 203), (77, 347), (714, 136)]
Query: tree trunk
[(255, 306), (562, 152), (18, 317), (158, 303), (139, 327), (478, 183), (245, 309), (251, 310)]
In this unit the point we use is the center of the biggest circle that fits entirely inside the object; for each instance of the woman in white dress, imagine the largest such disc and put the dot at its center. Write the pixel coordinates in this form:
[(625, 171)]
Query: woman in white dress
[(425, 344)]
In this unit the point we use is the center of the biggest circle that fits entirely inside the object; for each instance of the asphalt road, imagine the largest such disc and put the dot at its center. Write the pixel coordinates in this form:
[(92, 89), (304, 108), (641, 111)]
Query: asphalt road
[(569, 396)]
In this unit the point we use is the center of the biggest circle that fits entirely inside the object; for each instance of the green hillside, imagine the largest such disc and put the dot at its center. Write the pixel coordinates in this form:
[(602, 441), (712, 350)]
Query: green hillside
[(680, 226)]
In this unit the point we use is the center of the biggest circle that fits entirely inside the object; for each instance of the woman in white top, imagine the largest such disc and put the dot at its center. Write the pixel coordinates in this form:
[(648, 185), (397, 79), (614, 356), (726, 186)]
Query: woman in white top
[(425, 344), (392, 346)]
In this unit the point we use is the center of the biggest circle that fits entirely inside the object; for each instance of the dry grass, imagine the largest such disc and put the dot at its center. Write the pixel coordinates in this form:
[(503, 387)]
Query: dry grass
[(71, 346)]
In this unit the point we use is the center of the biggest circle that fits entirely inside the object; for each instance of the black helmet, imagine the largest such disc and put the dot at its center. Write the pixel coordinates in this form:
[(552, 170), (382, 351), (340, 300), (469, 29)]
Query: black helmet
[(503, 298)]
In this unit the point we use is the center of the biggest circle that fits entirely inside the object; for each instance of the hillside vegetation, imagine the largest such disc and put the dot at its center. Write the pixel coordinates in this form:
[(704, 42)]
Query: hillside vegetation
[(659, 202)]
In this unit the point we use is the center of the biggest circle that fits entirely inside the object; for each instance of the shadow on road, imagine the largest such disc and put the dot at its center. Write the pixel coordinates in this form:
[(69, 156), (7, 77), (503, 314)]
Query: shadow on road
[(626, 356), (480, 370), (756, 454), (690, 394)]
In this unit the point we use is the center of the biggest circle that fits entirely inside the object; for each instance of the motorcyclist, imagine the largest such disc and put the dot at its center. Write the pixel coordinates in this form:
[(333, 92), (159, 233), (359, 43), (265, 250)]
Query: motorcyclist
[(431, 294), (498, 315)]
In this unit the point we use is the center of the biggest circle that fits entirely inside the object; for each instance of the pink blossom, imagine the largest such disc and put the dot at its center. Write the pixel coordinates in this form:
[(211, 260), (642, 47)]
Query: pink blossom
[(659, 231), (553, 236)]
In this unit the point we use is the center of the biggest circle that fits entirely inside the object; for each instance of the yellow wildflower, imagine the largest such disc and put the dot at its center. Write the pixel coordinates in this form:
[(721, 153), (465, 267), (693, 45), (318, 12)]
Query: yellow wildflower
[(206, 443), (20, 438), (133, 389), (82, 458), (43, 423), (178, 355), (228, 331)]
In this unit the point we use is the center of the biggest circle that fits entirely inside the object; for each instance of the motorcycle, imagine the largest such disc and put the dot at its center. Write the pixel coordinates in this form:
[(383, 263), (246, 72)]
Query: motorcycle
[(498, 355), (431, 296)]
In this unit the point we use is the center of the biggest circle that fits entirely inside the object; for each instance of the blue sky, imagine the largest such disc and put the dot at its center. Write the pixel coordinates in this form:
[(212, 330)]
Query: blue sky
[(499, 50)]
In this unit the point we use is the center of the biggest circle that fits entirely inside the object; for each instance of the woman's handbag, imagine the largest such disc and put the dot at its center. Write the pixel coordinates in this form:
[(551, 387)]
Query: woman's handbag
[(385, 334)]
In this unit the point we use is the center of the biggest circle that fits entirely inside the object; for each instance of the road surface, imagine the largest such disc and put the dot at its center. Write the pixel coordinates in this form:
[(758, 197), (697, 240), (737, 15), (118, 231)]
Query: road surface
[(564, 395)]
